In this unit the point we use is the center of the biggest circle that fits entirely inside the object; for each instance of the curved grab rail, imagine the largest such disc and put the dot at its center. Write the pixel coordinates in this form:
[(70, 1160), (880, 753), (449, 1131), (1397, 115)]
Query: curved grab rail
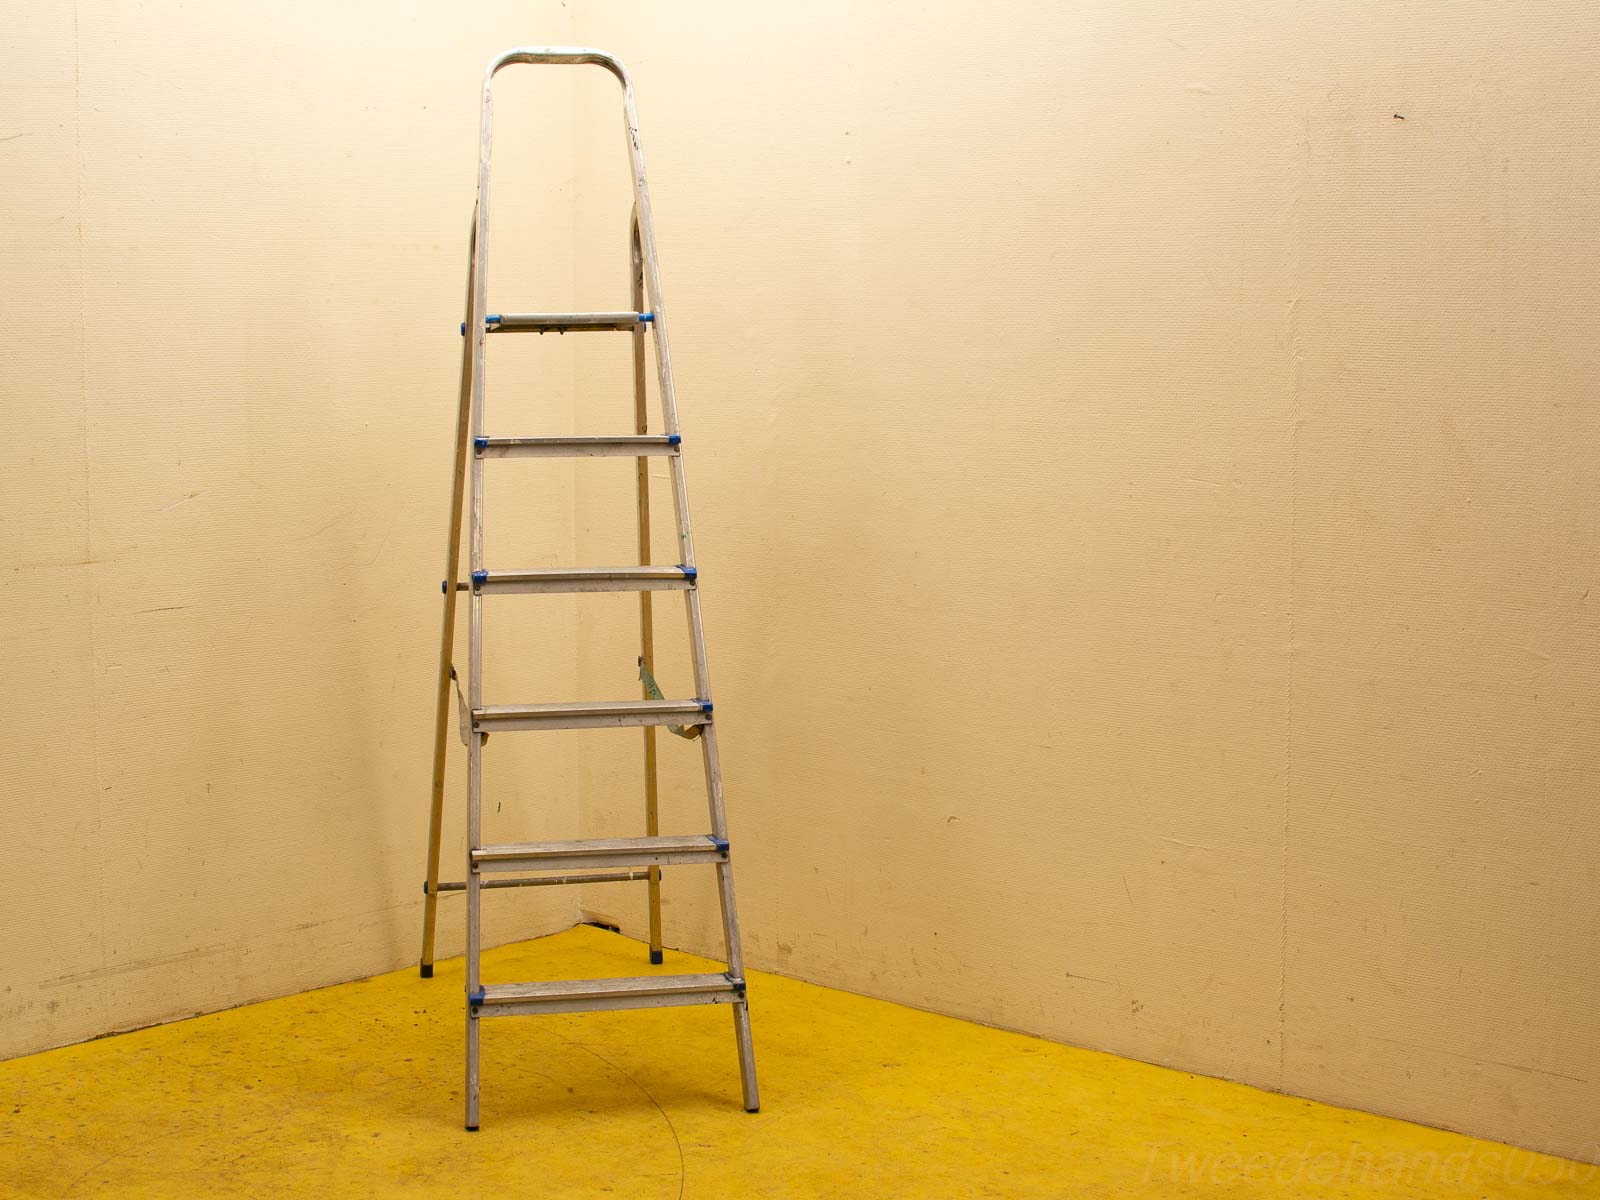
[(573, 55)]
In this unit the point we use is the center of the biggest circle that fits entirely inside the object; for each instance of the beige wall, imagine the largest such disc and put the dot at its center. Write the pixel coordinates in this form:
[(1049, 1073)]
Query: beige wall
[(234, 246), (1148, 517), (1144, 487)]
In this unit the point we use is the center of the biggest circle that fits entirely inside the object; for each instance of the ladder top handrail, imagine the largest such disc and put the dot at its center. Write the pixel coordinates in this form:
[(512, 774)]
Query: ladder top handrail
[(574, 55)]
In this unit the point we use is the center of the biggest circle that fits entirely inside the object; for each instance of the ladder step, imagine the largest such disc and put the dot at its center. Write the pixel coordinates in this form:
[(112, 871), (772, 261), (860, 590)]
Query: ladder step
[(588, 995), (633, 446), (586, 579), (604, 714), (602, 852), (564, 322)]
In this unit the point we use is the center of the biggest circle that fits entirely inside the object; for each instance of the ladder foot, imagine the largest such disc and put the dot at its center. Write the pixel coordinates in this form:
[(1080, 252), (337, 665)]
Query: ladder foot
[(756, 1109), (472, 1129), (655, 958), (426, 971)]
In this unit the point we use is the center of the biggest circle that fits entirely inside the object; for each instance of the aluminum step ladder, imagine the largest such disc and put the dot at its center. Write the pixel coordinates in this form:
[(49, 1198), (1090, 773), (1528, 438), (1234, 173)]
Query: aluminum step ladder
[(595, 860)]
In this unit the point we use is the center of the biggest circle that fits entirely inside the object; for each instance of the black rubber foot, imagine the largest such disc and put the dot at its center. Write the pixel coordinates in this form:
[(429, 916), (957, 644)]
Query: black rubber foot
[(427, 970), (472, 1129), (655, 958), (757, 1108)]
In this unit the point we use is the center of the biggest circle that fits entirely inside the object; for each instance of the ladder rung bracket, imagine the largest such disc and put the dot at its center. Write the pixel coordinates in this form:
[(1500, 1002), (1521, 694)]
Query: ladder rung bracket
[(606, 714), (585, 579), (640, 446), (590, 995), (602, 852)]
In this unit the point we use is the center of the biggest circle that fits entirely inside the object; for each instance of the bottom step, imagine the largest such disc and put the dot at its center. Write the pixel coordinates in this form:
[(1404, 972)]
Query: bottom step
[(589, 995)]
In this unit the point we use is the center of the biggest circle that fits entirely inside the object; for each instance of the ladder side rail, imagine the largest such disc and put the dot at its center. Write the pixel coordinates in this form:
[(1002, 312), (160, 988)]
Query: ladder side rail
[(476, 332), (452, 571), (647, 645), (702, 674)]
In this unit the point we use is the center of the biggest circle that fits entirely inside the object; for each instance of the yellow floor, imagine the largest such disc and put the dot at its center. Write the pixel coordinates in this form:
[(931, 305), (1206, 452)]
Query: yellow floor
[(356, 1091)]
